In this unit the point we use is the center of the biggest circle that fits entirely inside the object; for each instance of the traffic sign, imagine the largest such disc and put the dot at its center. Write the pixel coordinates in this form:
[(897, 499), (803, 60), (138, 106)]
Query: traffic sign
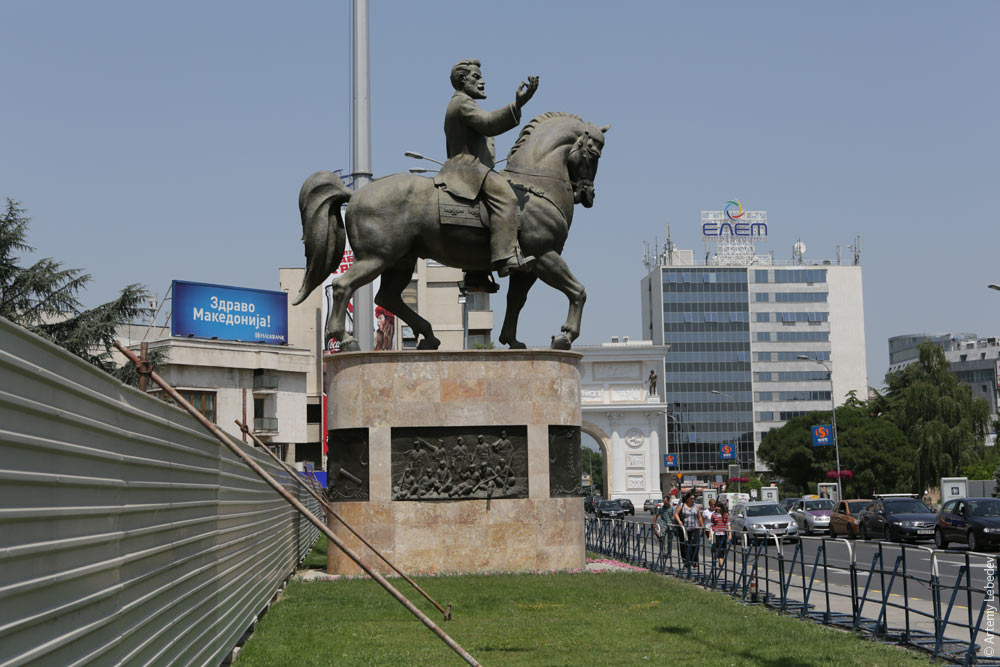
[(669, 460), (822, 435), (727, 451)]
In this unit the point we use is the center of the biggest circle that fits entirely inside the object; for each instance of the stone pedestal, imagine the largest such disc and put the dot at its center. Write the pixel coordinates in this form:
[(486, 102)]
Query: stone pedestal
[(376, 398)]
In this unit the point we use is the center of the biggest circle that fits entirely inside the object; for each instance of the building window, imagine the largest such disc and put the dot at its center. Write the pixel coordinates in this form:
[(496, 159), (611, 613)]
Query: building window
[(760, 276), (765, 416), (203, 401), (763, 356), (763, 297), (480, 340), (763, 317), (314, 413), (477, 301), (763, 336)]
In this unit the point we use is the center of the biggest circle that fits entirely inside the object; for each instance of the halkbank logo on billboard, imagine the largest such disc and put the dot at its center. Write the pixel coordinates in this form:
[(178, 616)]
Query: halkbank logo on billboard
[(732, 221)]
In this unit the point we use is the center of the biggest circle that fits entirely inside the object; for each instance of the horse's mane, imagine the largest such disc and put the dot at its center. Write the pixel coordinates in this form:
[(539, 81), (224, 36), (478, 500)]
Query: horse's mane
[(535, 122)]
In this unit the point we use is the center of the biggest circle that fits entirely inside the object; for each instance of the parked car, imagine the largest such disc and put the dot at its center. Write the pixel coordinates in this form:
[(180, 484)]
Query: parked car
[(974, 521), (649, 504), (897, 518), (812, 516), (787, 503), (844, 518), (610, 509), (590, 503), (627, 506), (761, 519)]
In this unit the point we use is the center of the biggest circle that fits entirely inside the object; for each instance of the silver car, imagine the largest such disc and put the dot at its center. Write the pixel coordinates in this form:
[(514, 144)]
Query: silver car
[(812, 515), (763, 519)]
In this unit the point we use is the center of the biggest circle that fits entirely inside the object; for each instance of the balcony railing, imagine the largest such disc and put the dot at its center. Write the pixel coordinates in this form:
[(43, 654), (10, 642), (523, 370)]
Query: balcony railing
[(265, 382), (265, 424)]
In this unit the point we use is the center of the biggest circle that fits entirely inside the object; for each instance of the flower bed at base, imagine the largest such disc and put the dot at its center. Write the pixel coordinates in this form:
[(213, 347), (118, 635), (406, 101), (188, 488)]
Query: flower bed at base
[(594, 566)]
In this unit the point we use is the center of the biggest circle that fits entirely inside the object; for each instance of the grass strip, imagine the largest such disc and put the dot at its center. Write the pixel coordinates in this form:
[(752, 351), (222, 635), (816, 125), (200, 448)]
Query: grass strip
[(554, 619)]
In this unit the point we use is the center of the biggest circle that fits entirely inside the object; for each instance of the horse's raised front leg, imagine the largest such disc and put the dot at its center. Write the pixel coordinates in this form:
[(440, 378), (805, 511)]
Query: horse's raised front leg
[(517, 294), (362, 272), (552, 269)]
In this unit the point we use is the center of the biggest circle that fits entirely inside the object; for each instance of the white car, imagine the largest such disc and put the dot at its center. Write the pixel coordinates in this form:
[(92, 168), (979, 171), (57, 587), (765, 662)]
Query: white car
[(762, 520)]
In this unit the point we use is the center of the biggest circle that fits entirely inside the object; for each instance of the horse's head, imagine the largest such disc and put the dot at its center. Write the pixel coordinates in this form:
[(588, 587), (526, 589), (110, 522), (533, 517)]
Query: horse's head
[(582, 163), (554, 138)]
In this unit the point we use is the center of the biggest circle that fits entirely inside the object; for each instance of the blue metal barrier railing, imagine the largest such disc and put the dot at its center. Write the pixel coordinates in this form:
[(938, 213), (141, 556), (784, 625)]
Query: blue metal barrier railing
[(761, 572)]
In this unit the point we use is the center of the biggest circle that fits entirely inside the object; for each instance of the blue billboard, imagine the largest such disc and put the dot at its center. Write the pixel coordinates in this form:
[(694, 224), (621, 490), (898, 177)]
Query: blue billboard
[(822, 435), (229, 313), (727, 451)]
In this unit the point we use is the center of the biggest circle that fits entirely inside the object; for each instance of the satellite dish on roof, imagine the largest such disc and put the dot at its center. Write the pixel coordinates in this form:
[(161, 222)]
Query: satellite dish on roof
[(799, 248)]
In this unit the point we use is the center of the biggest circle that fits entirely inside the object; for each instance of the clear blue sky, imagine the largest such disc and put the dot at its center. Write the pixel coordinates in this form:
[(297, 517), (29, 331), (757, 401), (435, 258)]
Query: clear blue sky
[(170, 141)]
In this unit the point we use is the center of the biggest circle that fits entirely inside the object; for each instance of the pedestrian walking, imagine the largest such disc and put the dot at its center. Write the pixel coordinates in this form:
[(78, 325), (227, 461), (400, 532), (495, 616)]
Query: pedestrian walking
[(689, 515), (720, 531)]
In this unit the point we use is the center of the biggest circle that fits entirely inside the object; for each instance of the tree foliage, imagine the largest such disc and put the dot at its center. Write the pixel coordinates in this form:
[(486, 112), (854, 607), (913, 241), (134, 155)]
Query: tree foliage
[(938, 415), (925, 427), (43, 297), (590, 457), (871, 447)]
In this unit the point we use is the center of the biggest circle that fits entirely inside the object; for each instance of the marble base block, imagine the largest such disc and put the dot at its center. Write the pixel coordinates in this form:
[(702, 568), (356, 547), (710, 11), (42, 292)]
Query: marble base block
[(379, 391)]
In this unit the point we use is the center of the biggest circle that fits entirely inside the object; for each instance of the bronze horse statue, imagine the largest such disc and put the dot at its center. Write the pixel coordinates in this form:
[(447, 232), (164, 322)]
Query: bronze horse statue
[(392, 221)]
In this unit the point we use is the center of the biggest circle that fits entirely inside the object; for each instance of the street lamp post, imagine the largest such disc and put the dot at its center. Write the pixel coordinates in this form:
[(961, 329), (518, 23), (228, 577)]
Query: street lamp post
[(736, 442), (833, 412)]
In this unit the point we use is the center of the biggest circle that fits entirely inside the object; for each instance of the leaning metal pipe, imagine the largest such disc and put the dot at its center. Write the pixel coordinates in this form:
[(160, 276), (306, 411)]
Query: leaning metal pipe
[(273, 483), (329, 510)]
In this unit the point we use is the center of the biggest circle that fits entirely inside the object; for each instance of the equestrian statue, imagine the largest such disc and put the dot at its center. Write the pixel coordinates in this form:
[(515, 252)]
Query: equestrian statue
[(469, 216)]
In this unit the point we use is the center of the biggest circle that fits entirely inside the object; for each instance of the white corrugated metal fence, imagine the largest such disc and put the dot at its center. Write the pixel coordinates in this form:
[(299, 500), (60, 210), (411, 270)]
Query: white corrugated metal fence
[(127, 533)]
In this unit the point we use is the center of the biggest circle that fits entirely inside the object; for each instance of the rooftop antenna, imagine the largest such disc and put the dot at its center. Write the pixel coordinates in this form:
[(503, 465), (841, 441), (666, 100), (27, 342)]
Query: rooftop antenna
[(798, 250), (856, 249), (838, 254), (670, 248)]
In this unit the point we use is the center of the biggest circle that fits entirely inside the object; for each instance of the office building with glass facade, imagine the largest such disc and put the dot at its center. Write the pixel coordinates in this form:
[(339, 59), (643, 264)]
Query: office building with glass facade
[(736, 335)]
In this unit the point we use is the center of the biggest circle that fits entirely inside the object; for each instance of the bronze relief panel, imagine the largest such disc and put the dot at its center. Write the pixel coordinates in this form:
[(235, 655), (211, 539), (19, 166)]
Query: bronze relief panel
[(565, 466), (347, 464), (459, 462)]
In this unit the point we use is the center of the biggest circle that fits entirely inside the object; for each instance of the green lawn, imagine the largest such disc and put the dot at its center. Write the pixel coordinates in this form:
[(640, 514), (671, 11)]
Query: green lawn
[(316, 560), (558, 619)]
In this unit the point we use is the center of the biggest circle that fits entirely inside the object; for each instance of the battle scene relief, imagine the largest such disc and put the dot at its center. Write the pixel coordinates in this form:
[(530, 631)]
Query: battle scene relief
[(459, 462)]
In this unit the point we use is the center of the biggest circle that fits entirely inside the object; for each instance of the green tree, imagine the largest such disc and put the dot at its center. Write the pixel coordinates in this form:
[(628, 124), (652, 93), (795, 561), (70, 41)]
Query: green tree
[(593, 460), (42, 297), (938, 416), (871, 447)]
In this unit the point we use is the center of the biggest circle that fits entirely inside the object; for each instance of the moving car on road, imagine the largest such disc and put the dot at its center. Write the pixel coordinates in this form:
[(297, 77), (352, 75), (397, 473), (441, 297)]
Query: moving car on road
[(627, 506), (761, 520), (894, 518), (974, 521), (844, 518), (610, 509), (812, 516)]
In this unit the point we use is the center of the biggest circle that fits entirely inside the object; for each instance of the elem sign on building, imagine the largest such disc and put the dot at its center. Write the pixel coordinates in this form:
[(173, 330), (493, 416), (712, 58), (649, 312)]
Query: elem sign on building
[(229, 313)]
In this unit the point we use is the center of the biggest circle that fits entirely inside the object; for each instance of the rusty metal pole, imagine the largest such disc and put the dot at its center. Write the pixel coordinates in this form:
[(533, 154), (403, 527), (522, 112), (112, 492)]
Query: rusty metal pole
[(273, 483), (330, 512)]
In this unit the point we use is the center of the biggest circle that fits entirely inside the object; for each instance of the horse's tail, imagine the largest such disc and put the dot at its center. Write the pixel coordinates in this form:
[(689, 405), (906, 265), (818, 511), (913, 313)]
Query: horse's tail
[(323, 232)]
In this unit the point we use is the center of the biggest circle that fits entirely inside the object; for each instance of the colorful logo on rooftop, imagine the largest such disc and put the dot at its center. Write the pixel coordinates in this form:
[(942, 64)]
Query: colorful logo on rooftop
[(728, 210)]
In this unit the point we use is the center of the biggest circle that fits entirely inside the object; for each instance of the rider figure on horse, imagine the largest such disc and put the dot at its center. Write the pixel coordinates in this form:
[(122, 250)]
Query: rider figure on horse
[(469, 173)]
